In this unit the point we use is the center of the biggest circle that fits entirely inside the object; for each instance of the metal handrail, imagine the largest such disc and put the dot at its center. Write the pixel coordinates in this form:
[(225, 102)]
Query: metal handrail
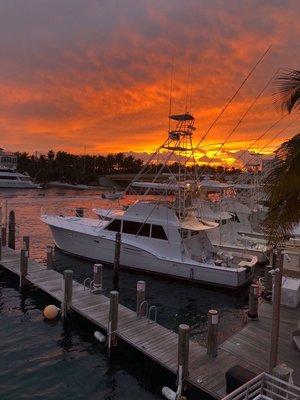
[(88, 279), (155, 314), (146, 308), (265, 385)]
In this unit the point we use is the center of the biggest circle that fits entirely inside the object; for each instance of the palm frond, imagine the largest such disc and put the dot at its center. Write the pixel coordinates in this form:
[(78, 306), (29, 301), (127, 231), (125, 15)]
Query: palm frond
[(287, 92), (282, 188)]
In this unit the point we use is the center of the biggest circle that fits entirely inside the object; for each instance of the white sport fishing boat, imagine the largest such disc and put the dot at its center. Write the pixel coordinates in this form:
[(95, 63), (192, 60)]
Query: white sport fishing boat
[(161, 236), (234, 232)]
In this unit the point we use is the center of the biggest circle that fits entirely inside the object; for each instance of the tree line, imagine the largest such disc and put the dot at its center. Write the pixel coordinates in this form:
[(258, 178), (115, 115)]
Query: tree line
[(73, 168), (86, 169)]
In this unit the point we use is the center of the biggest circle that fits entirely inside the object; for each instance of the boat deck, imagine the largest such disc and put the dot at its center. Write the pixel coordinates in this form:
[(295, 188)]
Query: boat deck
[(247, 348)]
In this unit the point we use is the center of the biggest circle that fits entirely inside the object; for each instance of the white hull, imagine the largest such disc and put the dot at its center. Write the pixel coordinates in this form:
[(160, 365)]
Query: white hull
[(102, 249), (18, 185)]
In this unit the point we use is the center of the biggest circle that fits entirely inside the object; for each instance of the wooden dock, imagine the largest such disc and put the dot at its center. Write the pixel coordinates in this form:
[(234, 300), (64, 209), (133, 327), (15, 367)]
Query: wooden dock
[(247, 348)]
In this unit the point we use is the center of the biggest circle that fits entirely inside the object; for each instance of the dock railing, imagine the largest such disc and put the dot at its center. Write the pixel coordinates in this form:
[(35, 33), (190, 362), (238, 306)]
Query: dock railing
[(265, 386)]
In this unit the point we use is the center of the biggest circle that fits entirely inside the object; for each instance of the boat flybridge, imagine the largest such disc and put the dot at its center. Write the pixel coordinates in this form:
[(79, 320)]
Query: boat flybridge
[(163, 235)]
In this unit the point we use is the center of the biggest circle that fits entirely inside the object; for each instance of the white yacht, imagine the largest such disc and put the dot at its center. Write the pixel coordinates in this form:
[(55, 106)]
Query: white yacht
[(161, 236), (9, 177), (16, 180), (153, 240)]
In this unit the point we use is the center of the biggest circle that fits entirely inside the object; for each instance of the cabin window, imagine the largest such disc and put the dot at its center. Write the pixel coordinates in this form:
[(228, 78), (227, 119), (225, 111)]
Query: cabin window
[(234, 217), (158, 232), (114, 226), (145, 230), (11, 178), (136, 228)]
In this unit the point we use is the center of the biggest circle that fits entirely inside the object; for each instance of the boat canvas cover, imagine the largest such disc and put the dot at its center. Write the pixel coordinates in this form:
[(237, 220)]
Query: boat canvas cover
[(193, 224)]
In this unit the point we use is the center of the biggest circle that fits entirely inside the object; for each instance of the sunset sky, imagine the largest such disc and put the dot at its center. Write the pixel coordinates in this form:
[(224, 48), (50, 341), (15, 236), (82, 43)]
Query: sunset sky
[(94, 73)]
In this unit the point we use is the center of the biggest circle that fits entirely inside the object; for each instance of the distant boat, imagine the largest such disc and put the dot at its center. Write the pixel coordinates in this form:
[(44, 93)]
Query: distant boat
[(9, 177), (16, 180), (112, 195), (68, 185)]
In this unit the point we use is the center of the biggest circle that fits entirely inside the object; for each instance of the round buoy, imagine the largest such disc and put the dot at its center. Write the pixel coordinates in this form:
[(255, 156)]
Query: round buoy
[(50, 312)]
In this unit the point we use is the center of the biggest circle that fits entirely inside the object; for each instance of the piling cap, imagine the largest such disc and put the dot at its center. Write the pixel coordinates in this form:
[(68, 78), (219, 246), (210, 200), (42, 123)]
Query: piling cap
[(184, 327), (68, 272), (141, 285)]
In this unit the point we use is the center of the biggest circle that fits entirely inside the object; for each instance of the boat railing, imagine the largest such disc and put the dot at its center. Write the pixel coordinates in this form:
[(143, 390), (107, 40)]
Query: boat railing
[(265, 386)]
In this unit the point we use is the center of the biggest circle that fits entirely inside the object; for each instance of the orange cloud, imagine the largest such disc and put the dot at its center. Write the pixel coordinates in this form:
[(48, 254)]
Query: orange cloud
[(75, 74)]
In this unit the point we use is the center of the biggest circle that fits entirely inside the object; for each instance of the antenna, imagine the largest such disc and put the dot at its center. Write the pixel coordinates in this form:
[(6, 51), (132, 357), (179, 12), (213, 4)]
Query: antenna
[(171, 91), (187, 87)]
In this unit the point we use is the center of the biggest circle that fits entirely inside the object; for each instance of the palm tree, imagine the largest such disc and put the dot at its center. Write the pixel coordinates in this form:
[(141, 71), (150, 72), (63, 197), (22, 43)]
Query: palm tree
[(282, 187), (283, 193), (282, 184), (288, 89)]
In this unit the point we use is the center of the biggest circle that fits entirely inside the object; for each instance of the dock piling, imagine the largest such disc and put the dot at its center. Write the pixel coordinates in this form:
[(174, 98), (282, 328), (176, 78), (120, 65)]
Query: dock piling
[(12, 230), (183, 350), (23, 268), (49, 256), (26, 243), (276, 300), (140, 298), (113, 318), (268, 280), (253, 302), (67, 293), (79, 212), (212, 333), (117, 261), (3, 235), (97, 281), (273, 257)]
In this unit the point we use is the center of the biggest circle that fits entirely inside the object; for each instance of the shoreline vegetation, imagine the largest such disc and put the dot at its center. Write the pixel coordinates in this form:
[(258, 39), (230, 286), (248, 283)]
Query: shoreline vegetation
[(86, 169)]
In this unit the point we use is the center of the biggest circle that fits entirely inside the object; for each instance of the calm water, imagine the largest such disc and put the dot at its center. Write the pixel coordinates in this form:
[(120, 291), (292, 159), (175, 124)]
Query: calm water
[(42, 360)]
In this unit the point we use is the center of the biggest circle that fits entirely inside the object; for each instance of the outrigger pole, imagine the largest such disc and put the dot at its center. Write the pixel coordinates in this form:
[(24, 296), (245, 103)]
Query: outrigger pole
[(229, 101)]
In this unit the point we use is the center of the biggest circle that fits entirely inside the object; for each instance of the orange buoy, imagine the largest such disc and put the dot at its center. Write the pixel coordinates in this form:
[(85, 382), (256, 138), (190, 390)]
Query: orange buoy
[(51, 312)]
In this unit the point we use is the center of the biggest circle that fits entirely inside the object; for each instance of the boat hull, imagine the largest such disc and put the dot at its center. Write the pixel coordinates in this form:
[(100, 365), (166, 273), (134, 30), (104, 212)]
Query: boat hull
[(18, 185), (100, 249)]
